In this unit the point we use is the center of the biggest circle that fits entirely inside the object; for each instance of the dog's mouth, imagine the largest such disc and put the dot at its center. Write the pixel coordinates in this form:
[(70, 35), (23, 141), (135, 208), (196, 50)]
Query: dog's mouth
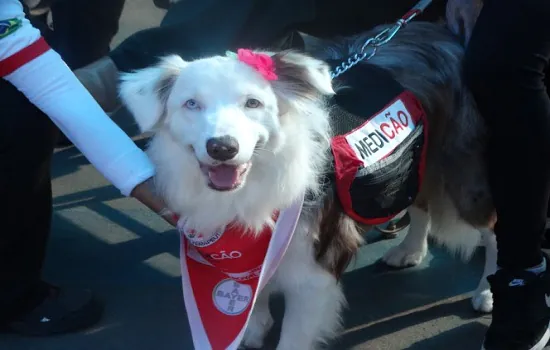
[(225, 177)]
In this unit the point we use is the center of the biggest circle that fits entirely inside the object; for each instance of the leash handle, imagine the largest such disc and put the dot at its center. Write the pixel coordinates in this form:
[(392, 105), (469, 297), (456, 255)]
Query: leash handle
[(380, 39)]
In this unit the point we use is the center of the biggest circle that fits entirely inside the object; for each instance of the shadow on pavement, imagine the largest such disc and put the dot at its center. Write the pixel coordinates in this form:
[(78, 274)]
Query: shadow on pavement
[(468, 336), (386, 303), (129, 256), (133, 267)]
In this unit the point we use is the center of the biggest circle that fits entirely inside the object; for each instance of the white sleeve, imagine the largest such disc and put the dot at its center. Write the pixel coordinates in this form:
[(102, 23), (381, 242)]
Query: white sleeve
[(50, 85)]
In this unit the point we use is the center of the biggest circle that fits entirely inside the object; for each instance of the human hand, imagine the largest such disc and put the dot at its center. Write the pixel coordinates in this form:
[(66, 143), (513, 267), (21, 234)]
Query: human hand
[(144, 193), (461, 17)]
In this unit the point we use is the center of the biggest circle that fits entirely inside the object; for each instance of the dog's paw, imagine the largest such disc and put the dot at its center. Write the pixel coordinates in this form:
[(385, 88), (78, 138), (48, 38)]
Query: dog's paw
[(259, 326), (482, 300), (405, 256)]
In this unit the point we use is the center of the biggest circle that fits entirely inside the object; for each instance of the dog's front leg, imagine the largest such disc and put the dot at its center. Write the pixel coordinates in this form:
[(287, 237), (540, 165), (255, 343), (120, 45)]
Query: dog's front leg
[(414, 247), (312, 310), (260, 322), (482, 299)]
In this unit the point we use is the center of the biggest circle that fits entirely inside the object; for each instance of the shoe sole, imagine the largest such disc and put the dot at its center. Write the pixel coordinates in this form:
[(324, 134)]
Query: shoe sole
[(84, 318), (542, 342)]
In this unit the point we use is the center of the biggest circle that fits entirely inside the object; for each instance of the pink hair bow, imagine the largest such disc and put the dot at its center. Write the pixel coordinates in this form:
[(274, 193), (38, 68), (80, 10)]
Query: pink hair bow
[(261, 62)]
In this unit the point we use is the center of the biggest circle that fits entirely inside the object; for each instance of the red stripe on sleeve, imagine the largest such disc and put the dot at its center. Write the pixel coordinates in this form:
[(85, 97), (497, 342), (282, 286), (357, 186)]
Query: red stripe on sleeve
[(19, 59)]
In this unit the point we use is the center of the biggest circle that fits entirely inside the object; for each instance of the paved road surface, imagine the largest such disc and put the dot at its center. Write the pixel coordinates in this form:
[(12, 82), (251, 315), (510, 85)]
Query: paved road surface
[(130, 257)]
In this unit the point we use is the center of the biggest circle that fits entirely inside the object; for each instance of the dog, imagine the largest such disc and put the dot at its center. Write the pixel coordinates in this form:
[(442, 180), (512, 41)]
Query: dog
[(225, 138), (454, 206)]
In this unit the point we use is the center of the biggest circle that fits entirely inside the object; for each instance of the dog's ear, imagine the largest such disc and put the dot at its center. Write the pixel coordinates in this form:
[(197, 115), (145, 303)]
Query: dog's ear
[(146, 91), (302, 75)]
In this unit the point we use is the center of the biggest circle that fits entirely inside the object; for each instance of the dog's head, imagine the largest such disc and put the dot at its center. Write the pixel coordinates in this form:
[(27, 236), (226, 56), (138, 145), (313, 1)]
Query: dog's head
[(221, 111)]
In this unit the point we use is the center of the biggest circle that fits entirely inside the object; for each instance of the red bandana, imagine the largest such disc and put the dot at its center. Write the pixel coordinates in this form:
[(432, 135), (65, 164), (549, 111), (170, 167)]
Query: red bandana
[(223, 274)]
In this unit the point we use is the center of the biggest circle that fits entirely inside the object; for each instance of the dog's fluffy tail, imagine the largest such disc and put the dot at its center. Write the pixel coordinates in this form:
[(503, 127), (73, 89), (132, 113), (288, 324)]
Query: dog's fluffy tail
[(339, 237)]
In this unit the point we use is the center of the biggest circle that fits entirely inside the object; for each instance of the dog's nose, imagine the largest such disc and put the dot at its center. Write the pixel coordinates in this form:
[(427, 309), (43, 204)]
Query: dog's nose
[(222, 148)]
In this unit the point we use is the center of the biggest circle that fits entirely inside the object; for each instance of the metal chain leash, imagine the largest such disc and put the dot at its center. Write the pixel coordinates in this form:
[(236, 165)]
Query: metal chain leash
[(380, 39)]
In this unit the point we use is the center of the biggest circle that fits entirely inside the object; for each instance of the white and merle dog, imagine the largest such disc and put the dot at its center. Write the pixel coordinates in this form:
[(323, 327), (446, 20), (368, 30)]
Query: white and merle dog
[(275, 137), (454, 205)]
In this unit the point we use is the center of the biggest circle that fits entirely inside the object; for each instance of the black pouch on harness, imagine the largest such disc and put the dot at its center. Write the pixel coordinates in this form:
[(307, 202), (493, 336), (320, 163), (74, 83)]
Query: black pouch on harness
[(380, 144)]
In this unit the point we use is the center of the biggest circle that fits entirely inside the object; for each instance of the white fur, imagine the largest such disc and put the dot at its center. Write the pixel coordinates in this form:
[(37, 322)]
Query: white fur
[(450, 230), (313, 299), (139, 91), (482, 299), (287, 162), (414, 247)]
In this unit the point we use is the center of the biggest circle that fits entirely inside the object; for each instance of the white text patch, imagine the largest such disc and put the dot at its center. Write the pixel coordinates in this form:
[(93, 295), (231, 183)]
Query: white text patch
[(381, 134)]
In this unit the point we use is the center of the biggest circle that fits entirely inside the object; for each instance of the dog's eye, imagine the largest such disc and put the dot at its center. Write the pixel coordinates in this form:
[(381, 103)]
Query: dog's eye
[(191, 104), (252, 103)]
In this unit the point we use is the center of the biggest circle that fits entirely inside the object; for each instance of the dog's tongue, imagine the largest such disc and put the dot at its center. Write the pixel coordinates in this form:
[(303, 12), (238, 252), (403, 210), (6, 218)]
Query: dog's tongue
[(224, 176)]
